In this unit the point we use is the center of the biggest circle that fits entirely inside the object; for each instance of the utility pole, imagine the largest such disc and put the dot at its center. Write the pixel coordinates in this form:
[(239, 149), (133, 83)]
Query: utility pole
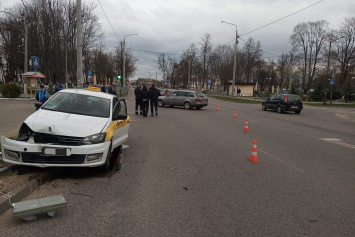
[(188, 75), (124, 59), (25, 63), (235, 56), (79, 49)]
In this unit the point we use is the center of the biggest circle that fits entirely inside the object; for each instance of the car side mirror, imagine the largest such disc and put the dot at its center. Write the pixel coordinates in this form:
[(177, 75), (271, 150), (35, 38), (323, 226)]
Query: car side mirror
[(120, 117)]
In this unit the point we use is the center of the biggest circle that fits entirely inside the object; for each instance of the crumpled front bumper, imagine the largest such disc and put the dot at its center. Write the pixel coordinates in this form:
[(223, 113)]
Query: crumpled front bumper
[(35, 150)]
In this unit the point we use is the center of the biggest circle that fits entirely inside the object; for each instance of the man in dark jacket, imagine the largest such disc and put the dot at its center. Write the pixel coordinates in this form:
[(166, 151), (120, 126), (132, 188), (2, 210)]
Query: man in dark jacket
[(145, 96), (103, 88), (59, 87), (154, 95), (111, 90), (137, 92)]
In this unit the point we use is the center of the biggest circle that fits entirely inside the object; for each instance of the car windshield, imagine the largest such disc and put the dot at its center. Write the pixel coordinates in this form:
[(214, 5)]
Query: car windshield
[(79, 104), (293, 98), (200, 95)]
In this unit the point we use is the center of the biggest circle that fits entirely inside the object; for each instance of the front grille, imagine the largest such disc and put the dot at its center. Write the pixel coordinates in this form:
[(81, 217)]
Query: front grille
[(42, 159), (56, 139)]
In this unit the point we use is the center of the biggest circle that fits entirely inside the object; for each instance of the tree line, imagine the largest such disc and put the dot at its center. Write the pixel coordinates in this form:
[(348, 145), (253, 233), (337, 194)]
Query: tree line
[(52, 37), (316, 49)]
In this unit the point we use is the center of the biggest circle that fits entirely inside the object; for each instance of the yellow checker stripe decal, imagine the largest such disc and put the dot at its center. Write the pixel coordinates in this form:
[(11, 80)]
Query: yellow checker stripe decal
[(114, 126)]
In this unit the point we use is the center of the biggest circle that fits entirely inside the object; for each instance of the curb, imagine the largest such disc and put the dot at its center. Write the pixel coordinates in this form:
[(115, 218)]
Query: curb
[(25, 189)]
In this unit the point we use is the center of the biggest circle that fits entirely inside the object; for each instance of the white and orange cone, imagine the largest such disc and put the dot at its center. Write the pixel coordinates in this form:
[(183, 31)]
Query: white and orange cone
[(254, 153), (246, 127), (217, 107), (131, 98), (235, 113)]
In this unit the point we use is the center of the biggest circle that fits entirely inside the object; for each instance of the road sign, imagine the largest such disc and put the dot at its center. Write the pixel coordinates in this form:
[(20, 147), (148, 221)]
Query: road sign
[(35, 61), (332, 82), (166, 82), (209, 82), (89, 74)]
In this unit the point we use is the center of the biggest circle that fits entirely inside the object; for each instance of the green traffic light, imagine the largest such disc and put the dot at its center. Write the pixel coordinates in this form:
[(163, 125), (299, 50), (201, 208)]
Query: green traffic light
[(119, 77)]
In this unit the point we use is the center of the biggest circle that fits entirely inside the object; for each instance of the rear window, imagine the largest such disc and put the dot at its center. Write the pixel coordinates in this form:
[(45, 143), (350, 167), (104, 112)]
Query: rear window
[(200, 95), (293, 98)]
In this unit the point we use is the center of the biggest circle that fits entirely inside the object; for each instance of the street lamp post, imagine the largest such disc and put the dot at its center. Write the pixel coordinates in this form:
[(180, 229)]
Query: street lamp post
[(124, 59), (235, 55)]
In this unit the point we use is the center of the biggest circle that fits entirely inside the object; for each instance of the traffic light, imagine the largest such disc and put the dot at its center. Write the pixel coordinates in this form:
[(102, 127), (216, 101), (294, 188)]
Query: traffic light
[(119, 77)]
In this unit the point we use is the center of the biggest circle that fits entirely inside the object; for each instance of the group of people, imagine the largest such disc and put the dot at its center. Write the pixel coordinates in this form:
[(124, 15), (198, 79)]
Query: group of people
[(143, 96), (43, 92), (110, 90)]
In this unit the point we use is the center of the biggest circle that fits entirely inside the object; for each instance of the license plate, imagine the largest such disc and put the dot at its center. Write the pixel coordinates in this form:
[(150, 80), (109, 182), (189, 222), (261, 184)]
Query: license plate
[(56, 151), (203, 100), (294, 107)]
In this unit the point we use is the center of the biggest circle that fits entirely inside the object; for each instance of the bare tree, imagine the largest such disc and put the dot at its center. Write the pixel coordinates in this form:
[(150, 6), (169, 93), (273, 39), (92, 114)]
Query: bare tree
[(308, 39), (206, 48)]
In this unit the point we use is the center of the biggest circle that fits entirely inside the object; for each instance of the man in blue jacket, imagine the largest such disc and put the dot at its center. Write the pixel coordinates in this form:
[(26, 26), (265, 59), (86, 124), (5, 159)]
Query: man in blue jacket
[(59, 87)]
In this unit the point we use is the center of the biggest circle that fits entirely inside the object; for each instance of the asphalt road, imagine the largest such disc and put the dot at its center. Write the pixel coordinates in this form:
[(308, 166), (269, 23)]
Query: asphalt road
[(187, 173)]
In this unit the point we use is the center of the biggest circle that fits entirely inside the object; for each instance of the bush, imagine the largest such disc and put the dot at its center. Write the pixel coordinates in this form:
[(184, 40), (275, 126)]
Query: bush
[(11, 91)]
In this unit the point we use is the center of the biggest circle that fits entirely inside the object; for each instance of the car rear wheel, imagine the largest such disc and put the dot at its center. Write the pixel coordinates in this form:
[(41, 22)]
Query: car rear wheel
[(187, 105), (160, 103), (279, 109), (198, 107), (298, 112), (264, 107), (171, 106)]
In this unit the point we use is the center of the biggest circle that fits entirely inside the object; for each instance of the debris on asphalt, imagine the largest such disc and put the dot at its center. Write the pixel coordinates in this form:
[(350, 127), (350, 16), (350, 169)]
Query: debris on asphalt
[(125, 146), (185, 188)]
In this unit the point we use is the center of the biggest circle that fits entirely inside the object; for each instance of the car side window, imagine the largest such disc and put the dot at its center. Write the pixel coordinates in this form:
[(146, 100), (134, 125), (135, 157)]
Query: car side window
[(278, 97), (272, 97), (182, 94), (190, 94)]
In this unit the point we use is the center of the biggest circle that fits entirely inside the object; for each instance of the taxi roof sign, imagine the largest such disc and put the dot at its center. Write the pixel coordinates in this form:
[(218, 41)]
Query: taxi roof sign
[(93, 88)]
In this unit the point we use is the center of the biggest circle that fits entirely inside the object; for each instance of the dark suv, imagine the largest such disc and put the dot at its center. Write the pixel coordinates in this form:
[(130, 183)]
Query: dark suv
[(284, 102)]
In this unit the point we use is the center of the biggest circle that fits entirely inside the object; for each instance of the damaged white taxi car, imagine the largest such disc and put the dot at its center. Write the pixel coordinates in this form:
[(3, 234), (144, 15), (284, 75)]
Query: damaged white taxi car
[(74, 128)]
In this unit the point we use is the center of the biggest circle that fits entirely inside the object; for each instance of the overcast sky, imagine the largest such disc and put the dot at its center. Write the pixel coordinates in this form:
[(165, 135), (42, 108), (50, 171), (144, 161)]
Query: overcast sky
[(171, 26)]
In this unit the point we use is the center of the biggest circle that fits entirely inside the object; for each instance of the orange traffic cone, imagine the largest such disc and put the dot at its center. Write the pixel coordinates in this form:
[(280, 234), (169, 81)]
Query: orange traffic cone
[(235, 113), (131, 98), (254, 153), (246, 127), (217, 107)]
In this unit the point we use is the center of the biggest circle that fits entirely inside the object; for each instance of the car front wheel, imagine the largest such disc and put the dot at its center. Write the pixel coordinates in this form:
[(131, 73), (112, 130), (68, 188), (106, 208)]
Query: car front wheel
[(187, 105), (107, 165), (264, 107)]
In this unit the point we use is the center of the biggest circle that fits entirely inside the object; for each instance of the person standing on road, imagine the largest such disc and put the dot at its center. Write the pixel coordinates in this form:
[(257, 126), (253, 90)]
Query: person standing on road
[(145, 96), (41, 93), (111, 90), (103, 88), (46, 93), (59, 87), (137, 92), (239, 91), (154, 95)]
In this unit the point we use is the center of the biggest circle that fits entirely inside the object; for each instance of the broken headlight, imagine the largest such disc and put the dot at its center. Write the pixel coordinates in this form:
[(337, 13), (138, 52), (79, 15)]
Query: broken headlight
[(24, 133), (94, 139)]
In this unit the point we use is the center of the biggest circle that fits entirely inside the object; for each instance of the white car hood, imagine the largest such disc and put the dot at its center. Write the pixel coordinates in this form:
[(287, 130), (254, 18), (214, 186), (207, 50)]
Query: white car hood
[(64, 124)]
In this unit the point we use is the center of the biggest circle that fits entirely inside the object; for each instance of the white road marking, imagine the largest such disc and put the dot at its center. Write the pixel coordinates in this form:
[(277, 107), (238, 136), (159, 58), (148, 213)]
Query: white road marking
[(278, 159), (337, 141)]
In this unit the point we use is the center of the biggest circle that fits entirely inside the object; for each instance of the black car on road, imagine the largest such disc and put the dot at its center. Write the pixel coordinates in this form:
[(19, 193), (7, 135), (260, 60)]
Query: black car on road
[(283, 102)]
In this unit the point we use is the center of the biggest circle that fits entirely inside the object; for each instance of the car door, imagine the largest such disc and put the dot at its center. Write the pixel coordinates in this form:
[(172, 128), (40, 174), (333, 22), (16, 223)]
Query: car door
[(121, 127), (169, 99), (276, 101), (180, 98), (268, 102)]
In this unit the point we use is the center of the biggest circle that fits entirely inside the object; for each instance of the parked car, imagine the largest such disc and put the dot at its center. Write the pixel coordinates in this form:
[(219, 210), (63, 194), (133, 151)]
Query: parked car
[(283, 102), (74, 128), (187, 99)]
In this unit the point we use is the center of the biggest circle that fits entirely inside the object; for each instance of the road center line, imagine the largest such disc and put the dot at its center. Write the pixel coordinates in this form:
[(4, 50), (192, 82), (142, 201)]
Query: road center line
[(296, 168)]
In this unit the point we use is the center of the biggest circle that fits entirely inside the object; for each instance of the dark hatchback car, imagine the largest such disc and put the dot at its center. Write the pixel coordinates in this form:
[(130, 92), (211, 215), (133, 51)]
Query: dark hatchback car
[(284, 102)]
